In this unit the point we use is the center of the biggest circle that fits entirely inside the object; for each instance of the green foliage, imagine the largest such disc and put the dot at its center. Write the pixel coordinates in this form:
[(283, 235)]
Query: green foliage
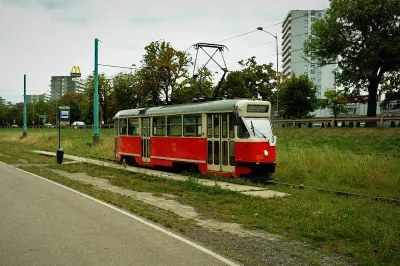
[(125, 93), (391, 88), (162, 67), (235, 86), (297, 97), (188, 89), (363, 38), (253, 80), (15, 112), (334, 102)]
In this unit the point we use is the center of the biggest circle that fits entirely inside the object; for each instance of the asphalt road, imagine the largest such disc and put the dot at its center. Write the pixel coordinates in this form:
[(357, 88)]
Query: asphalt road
[(42, 223)]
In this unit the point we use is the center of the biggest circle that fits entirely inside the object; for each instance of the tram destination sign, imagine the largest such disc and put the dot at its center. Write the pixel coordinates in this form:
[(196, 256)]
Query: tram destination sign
[(252, 108)]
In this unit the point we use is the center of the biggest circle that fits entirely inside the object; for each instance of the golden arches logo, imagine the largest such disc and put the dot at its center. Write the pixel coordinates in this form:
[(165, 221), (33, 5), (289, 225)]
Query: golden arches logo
[(75, 71)]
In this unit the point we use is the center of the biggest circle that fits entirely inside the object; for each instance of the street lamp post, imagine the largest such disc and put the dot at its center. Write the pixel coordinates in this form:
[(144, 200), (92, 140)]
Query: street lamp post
[(33, 113), (277, 66)]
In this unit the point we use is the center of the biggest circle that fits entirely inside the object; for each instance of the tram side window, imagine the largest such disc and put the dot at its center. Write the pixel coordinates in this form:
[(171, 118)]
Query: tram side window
[(231, 126), (133, 127), (243, 133), (174, 125), (209, 126), (122, 127), (192, 125), (159, 126)]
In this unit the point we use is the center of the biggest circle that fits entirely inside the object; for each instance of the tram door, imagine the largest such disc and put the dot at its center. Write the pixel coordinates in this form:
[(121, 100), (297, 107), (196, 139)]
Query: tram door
[(145, 133), (116, 128), (220, 143)]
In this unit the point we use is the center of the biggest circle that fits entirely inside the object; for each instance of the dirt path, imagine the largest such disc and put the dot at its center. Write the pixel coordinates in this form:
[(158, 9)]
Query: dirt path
[(167, 203), (259, 247)]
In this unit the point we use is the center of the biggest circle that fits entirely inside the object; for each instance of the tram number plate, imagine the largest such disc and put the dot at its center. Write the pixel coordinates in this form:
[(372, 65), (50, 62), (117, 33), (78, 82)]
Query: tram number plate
[(259, 157)]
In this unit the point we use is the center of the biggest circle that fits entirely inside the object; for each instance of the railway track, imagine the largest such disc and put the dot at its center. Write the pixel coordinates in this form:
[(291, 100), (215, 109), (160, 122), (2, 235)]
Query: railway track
[(366, 153), (338, 192), (301, 186)]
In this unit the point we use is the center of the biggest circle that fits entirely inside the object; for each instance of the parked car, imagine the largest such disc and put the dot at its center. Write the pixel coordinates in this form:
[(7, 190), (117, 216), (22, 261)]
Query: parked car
[(14, 126), (48, 125), (78, 124), (317, 125)]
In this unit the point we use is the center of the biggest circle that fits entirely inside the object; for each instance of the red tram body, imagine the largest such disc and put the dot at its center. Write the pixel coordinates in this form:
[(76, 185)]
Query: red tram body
[(225, 137)]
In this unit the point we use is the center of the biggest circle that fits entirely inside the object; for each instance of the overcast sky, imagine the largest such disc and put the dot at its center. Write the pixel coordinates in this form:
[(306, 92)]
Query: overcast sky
[(44, 38)]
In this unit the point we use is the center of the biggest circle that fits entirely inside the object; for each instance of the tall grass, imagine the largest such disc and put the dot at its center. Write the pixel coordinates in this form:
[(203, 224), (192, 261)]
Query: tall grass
[(360, 140), (72, 141), (340, 170)]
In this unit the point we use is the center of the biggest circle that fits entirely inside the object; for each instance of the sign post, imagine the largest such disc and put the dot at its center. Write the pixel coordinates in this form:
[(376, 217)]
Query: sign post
[(63, 118), (25, 133)]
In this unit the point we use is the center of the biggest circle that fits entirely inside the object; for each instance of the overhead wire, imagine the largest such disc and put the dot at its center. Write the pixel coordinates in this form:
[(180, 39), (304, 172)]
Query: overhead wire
[(240, 35)]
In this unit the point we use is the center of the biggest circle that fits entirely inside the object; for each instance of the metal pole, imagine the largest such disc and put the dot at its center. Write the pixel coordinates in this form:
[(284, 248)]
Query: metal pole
[(57, 93), (33, 111), (59, 129), (25, 133), (277, 66), (96, 136), (60, 152), (277, 77)]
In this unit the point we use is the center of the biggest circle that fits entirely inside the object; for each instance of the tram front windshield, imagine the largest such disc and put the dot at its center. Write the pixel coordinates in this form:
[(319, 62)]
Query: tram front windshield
[(254, 127)]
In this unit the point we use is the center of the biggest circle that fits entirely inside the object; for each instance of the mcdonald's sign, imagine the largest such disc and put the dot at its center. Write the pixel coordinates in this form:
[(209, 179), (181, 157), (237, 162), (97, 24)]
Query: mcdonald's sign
[(75, 71)]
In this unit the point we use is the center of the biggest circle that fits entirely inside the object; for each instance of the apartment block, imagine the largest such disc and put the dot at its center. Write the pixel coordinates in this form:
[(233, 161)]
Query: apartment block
[(296, 29)]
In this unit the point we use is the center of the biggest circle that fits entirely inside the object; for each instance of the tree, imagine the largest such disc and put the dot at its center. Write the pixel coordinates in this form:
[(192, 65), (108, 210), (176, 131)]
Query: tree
[(297, 97), (363, 38), (188, 89), (162, 67), (42, 108), (235, 86), (4, 114), (334, 102), (16, 112), (253, 80), (125, 93), (391, 88)]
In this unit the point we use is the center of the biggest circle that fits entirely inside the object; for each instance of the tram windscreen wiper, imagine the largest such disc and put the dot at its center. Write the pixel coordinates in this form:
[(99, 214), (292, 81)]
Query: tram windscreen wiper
[(253, 128)]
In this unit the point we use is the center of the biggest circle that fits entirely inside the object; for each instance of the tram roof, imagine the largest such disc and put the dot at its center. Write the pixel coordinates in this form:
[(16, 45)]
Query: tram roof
[(212, 106)]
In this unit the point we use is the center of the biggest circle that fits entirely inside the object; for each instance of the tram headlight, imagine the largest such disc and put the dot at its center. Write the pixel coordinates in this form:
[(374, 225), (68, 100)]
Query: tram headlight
[(265, 153)]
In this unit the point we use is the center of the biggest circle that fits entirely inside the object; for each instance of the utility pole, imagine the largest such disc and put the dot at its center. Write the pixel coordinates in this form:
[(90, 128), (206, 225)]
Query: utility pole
[(25, 133), (96, 137), (33, 111)]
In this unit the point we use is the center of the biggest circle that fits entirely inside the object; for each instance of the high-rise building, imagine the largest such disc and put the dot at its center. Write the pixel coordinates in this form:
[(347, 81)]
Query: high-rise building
[(35, 98), (296, 29), (61, 85)]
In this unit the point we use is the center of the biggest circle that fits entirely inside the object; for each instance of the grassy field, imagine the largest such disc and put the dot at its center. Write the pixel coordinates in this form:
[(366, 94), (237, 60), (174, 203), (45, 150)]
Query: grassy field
[(364, 230)]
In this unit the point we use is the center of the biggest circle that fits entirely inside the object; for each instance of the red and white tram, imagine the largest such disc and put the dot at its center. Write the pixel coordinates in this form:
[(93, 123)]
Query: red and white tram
[(225, 137)]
